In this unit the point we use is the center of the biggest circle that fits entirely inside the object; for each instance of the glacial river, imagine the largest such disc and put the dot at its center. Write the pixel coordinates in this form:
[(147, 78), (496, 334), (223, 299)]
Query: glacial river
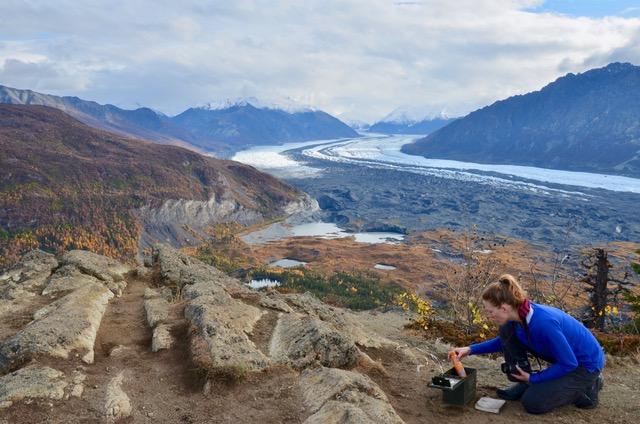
[(382, 151)]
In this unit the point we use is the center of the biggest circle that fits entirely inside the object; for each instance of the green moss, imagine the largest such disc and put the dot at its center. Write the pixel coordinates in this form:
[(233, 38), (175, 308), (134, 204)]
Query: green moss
[(356, 290)]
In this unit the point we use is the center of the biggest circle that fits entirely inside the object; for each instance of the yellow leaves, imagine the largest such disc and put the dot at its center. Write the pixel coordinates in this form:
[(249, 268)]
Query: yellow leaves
[(423, 308), (353, 289)]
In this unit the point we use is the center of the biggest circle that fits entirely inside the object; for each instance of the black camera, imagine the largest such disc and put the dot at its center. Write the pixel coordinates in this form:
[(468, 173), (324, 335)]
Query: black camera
[(509, 368)]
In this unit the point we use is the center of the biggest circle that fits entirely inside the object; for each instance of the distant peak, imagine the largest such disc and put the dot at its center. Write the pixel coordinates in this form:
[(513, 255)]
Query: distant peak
[(620, 66), (287, 105), (414, 114)]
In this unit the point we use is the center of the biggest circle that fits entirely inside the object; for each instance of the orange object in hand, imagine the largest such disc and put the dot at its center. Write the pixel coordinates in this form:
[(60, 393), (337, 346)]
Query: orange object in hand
[(453, 357)]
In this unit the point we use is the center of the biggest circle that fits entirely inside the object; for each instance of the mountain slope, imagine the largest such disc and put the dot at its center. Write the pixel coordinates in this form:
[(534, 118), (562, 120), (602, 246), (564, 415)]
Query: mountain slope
[(426, 126), (244, 124), (64, 184), (223, 130), (139, 123), (585, 122)]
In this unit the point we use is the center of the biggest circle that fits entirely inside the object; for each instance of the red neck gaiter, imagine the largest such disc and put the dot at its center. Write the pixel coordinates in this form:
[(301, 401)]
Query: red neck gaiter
[(523, 310)]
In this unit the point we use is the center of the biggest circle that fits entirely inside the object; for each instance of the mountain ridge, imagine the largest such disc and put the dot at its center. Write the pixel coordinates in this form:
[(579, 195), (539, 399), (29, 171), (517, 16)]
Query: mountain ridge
[(221, 131), (579, 122)]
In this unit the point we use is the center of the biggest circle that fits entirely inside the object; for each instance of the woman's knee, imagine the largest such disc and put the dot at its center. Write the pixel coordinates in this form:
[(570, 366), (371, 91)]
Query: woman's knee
[(535, 404)]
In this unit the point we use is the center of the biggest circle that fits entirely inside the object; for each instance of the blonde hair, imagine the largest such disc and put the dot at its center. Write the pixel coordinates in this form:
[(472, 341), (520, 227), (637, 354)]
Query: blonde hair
[(505, 290)]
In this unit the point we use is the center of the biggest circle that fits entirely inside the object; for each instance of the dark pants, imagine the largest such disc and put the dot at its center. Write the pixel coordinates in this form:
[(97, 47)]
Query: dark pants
[(543, 397)]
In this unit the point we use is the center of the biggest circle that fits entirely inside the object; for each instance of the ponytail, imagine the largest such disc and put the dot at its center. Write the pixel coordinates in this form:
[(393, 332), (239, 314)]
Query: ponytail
[(505, 290)]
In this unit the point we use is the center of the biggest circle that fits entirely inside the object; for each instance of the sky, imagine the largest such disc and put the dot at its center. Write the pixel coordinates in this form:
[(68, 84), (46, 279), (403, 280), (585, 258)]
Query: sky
[(355, 59)]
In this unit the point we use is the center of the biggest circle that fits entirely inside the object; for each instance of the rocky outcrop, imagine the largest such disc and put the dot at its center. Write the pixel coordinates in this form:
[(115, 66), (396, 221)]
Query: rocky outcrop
[(339, 319), (28, 275), (105, 269), (157, 310), (67, 325), (220, 340), (338, 396), (35, 382), (162, 338), (67, 278), (117, 404), (300, 341), (177, 271)]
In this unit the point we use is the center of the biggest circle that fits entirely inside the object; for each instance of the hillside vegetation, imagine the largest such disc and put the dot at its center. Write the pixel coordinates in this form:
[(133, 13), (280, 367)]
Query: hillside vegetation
[(65, 185)]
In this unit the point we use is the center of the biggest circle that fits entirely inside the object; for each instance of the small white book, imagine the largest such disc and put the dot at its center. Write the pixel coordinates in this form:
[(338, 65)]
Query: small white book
[(488, 404)]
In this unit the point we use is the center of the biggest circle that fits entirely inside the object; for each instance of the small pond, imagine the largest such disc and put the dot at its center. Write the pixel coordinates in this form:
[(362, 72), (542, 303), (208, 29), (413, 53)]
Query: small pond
[(287, 263), (326, 230), (263, 283)]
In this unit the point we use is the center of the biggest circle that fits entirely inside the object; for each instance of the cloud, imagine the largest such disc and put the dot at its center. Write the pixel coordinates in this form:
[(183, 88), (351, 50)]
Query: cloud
[(360, 59)]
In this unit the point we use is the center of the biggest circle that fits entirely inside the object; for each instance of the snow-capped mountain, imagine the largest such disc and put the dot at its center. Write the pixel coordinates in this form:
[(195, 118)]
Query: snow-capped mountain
[(223, 127), (286, 104), (411, 120), (585, 122)]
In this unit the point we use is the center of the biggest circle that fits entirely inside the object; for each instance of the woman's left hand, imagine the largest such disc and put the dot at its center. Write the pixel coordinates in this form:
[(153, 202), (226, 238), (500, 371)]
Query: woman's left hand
[(522, 375)]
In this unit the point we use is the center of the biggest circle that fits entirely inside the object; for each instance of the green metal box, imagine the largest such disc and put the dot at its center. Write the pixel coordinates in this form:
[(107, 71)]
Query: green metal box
[(461, 392)]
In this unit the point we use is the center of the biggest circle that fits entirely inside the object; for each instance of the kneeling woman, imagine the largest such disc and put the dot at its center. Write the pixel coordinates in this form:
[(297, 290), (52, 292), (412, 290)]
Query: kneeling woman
[(548, 333)]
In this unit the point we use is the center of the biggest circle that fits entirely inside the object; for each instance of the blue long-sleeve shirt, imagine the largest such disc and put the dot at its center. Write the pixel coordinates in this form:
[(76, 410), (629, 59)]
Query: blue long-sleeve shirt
[(557, 336)]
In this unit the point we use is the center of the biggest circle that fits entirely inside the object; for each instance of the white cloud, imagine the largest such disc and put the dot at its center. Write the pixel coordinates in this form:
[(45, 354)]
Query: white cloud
[(357, 58)]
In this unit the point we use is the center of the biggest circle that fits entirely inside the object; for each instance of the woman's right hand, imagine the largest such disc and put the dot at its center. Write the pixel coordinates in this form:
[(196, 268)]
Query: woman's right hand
[(461, 352)]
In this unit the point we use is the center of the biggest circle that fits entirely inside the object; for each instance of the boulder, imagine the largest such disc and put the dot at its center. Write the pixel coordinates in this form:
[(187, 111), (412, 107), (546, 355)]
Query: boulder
[(156, 311), (117, 404), (66, 325), (223, 308), (103, 268), (162, 338), (202, 288), (67, 278), (274, 301), (28, 275), (339, 319), (339, 396), (32, 382), (219, 343), (178, 270), (300, 341)]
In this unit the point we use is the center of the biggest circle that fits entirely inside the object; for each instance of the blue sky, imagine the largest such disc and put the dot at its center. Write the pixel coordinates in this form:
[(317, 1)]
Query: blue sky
[(356, 59), (591, 8)]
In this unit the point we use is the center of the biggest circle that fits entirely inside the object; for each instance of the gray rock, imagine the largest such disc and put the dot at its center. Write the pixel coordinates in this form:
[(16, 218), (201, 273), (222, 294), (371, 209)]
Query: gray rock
[(162, 338), (219, 342), (29, 274), (68, 324), (117, 287), (76, 387), (335, 412), (300, 341), (274, 301), (101, 267), (338, 396), (224, 309), (67, 278), (117, 404), (150, 293), (32, 382), (156, 311), (202, 288), (178, 270), (339, 319), (141, 271), (122, 351)]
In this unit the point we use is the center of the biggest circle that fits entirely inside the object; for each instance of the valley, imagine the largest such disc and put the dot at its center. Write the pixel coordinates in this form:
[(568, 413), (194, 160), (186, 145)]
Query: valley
[(367, 184)]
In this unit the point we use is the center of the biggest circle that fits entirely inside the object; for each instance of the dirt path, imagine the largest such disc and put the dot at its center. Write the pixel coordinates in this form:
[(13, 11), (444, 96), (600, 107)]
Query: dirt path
[(163, 387)]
